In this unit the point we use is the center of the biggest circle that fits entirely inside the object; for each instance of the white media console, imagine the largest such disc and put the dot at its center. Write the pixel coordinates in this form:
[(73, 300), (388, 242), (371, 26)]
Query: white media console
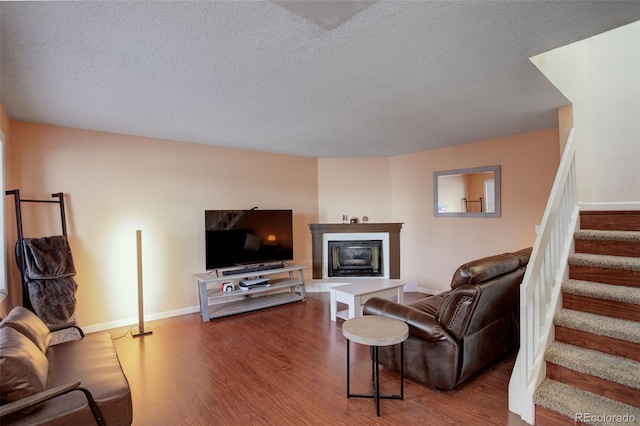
[(285, 285)]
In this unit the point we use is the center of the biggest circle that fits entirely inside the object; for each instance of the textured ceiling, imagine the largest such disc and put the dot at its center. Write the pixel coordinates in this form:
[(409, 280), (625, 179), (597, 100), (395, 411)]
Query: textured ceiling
[(397, 77)]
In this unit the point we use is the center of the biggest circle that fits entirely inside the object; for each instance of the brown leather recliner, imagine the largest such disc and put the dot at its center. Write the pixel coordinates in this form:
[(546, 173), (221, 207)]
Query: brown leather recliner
[(454, 334)]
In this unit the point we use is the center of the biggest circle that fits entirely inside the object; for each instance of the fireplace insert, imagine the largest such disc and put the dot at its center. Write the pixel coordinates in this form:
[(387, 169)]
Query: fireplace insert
[(355, 258)]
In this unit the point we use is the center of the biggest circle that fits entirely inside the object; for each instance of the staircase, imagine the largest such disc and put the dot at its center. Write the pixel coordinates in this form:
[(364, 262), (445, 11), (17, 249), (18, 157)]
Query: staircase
[(593, 366), (221, 220)]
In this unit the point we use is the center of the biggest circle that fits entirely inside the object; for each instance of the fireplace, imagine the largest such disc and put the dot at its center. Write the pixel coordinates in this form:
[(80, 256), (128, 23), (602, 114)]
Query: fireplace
[(358, 258), (388, 233)]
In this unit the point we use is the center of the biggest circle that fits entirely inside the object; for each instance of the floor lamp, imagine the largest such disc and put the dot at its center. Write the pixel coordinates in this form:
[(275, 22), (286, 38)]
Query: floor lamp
[(140, 330)]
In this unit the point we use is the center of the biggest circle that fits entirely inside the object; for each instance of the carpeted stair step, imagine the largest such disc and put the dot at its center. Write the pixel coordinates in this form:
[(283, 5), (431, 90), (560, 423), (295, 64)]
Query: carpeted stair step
[(607, 375), (614, 243), (618, 270), (602, 299), (579, 405), (605, 334)]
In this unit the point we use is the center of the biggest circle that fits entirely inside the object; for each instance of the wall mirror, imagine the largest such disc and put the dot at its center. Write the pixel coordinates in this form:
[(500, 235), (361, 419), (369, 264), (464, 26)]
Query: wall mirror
[(473, 192)]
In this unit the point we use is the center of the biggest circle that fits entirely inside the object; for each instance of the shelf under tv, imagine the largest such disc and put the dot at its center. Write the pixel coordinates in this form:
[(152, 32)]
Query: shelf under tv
[(286, 288)]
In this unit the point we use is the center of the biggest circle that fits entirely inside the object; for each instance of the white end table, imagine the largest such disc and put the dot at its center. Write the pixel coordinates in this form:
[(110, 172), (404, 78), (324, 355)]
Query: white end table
[(376, 331), (356, 294)]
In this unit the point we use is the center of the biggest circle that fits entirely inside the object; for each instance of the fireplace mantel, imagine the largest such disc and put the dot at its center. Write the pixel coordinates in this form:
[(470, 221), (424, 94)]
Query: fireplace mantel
[(319, 229)]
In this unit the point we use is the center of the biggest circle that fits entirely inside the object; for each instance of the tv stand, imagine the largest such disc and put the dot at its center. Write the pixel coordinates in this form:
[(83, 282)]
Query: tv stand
[(286, 285), (247, 269)]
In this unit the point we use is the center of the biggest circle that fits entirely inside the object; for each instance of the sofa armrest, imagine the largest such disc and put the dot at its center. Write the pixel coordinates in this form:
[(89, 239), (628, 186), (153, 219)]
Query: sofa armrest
[(421, 324), (456, 309), (35, 399), (40, 397)]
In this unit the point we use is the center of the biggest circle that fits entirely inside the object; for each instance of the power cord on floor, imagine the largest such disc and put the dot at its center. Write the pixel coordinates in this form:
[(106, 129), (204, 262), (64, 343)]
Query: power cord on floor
[(125, 333)]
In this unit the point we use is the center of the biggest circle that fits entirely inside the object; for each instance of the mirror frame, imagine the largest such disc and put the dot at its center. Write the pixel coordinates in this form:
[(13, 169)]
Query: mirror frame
[(494, 169)]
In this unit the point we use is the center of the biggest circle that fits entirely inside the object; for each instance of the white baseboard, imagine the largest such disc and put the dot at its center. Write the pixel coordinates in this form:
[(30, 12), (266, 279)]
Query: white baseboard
[(134, 321), (624, 205), (312, 286)]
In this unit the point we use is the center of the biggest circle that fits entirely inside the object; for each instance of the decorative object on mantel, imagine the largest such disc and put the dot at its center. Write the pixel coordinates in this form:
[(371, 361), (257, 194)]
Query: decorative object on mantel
[(354, 220), (345, 218), (365, 219)]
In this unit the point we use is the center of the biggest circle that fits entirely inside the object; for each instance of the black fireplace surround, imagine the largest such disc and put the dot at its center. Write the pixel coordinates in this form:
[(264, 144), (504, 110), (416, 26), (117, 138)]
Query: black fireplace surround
[(355, 258)]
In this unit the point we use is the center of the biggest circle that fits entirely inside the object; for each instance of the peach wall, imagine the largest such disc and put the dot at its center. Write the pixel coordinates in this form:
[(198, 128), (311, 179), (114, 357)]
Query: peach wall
[(399, 189), (115, 184), (433, 247), (354, 186)]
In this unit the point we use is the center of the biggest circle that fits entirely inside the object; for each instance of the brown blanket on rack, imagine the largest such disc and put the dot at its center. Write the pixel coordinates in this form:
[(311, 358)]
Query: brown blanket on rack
[(49, 272), (54, 301), (47, 258)]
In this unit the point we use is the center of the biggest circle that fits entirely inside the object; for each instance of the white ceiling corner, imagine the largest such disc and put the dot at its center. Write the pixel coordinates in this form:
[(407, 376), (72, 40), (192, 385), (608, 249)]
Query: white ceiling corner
[(329, 14)]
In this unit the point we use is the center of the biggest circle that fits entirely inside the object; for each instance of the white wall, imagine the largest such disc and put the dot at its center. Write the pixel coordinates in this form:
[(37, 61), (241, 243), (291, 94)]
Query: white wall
[(601, 76)]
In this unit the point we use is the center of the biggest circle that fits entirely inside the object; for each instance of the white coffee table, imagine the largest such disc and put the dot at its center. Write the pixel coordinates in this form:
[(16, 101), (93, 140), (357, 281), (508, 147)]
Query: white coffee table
[(357, 293)]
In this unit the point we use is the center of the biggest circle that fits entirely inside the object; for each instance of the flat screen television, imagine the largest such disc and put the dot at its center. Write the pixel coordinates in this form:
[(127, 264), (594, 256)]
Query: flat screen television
[(248, 238)]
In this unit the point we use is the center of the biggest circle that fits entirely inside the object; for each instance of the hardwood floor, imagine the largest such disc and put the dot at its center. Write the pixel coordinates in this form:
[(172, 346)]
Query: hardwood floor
[(285, 365)]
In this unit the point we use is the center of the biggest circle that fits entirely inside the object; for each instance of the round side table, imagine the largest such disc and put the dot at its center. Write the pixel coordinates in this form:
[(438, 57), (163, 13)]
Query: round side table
[(375, 331)]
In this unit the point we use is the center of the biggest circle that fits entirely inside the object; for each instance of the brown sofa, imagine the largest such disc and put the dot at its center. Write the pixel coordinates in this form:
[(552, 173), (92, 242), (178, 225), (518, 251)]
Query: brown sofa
[(454, 334), (78, 382)]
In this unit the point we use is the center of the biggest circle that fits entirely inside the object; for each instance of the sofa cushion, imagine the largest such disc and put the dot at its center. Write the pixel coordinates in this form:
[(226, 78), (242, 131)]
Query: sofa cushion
[(24, 367), (484, 269), (28, 323)]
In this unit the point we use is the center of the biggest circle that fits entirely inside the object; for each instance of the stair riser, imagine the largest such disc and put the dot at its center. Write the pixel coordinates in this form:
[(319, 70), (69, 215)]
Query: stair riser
[(546, 417), (594, 384), (610, 221), (606, 221), (607, 308), (598, 343), (610, 248), (604, 275)]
